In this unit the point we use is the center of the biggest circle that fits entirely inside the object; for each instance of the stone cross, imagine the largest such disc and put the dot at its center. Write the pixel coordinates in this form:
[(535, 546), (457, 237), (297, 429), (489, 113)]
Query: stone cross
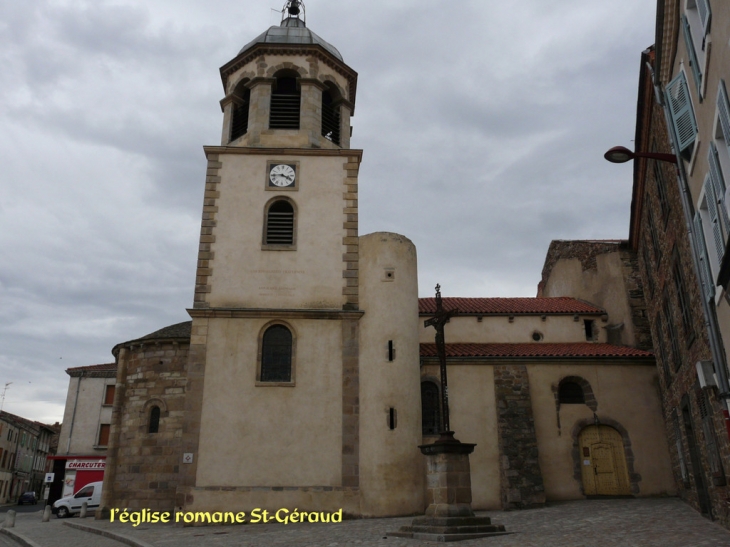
[(440, 318)]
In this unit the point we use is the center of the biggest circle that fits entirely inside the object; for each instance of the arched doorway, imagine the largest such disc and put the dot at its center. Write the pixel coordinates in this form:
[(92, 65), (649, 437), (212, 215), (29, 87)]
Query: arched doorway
[(603, 466)]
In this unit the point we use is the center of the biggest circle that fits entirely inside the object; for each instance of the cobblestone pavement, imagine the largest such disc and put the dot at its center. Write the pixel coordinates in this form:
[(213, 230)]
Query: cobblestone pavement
[(599, 523)]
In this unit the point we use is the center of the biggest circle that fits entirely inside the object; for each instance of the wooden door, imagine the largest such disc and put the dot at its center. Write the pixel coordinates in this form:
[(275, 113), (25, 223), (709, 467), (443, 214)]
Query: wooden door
[(603, 462)]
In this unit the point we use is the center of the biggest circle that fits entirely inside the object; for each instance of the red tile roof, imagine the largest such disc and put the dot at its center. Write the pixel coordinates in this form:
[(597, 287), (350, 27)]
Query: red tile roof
[(580, 349), (512, 306)]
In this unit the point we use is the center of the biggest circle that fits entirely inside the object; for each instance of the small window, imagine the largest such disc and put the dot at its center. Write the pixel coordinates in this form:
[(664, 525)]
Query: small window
[(109, 395), (279, 224), (154, 426), (588, 325), (571, 393), (430, 408), (285, 104), (104, 434), (276, 355)]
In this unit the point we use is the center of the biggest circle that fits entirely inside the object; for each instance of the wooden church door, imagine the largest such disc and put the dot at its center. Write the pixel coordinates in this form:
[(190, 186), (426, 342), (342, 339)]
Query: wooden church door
[(603, 462)]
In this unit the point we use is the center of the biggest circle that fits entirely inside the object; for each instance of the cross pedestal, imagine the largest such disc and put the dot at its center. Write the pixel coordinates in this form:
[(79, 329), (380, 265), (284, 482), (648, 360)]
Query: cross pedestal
[(449, 516)]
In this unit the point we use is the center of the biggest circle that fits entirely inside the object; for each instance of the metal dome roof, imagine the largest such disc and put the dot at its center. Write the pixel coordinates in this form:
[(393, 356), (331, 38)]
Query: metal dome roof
[(292, 31)]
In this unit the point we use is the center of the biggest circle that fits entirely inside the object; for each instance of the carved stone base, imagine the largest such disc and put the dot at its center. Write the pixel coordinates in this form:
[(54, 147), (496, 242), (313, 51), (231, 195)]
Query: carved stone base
[(450, 529), (449, 516)]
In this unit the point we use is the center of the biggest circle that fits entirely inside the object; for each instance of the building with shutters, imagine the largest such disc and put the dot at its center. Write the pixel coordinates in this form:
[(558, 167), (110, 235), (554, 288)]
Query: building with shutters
[(306, 377), (679, 231)]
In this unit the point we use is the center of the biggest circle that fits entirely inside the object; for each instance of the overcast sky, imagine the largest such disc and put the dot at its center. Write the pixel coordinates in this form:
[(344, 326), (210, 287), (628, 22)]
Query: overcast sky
[(483, 125)]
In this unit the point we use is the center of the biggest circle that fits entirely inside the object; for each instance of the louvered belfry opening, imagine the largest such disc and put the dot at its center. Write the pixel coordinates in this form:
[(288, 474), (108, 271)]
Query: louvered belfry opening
[(330, 118), (280, 224), (239, 121), (430, 409), (276, 355), (285, 104)]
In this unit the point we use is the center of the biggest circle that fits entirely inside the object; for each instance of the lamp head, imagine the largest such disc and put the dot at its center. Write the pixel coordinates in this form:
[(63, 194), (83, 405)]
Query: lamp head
[(619, 154)]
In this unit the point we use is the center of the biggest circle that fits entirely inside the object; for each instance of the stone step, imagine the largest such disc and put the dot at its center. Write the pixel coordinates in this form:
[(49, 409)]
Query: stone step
[(452, 521), (457, 529)]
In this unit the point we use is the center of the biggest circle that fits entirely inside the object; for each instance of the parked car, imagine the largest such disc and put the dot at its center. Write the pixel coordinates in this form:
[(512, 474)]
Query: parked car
[(28, 497), (71, 505)]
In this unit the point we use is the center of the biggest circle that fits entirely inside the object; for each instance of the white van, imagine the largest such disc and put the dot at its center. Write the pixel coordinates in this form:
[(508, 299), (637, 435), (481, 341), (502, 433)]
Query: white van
[(71, 505)]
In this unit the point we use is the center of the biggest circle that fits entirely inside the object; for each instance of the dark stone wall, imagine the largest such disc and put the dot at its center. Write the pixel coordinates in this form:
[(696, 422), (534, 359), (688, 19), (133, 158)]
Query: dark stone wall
[(147, 465), (521, 478)]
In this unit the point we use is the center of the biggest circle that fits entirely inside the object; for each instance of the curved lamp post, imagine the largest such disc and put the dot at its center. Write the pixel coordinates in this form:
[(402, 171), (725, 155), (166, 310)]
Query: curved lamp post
[(619, 154)]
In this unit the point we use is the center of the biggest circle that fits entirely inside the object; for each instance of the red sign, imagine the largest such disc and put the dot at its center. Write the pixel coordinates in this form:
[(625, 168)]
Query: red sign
[(86, 465)]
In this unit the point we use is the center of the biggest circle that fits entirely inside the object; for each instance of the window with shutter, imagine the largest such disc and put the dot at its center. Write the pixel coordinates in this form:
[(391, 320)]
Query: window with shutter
[(723, 112), (692, 52), (710, 205), (285, 104), (330, 117), (683, 299), (718, 184), (279, 228), (708, 285), (682, 114), (239, 120)]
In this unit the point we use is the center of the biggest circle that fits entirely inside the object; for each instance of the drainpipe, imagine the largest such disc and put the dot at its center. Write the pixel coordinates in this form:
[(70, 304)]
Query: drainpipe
[(711, 323), (73, 417)]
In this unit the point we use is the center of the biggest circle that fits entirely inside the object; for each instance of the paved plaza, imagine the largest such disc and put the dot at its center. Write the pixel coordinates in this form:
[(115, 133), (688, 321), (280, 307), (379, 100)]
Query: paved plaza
[(595, 523)]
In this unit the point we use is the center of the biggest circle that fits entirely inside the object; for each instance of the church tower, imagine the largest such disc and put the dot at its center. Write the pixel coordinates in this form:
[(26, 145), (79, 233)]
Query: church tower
[(275, 398)]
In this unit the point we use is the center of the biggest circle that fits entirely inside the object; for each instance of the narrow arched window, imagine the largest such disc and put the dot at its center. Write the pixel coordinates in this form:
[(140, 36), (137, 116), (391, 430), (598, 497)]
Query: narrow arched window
[(154, 426), (276, 354), (285, 104), (570, 393), (430, 408), (330, 117), (279, 224), (239, 119)]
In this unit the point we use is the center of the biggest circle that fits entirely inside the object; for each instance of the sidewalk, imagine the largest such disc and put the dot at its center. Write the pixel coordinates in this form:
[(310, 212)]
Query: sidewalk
[(600, 523)]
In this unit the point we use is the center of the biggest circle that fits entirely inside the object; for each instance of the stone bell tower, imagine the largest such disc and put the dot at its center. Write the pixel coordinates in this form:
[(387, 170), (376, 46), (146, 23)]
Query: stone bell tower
[(271, 400)]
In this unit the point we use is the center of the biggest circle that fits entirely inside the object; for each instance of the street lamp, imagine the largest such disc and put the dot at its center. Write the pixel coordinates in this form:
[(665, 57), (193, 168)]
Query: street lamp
[(619, 154)]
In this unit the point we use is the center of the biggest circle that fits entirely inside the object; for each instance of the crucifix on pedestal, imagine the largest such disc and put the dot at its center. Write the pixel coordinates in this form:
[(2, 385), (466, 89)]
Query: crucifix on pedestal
[(449, 516), (438, 321)]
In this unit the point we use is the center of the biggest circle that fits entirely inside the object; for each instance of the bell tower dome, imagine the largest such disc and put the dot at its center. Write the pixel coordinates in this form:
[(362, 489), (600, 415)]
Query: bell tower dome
[(288, 88)]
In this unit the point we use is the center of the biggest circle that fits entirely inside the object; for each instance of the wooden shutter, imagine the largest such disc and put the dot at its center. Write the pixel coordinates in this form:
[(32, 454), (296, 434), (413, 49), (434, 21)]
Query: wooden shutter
[(711, 201), (693, 62), (109, 395), (723, 108), (680, 107), (718, 184), (104, 434), (708, 286), (703, 9)]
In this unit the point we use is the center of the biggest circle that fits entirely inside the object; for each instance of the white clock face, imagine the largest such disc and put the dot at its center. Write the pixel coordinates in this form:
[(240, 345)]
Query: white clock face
[(282, 175)]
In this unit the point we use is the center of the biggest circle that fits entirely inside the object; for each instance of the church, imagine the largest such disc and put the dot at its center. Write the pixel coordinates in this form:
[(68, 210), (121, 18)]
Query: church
[(307, 379)]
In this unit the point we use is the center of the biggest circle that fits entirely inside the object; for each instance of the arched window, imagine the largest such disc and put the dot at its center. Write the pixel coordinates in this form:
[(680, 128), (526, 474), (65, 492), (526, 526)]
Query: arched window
[(430, 408), (279, 223), (571, 393), (154, 426), (276, 354), (285, 103), (239, 119), (330, 116)]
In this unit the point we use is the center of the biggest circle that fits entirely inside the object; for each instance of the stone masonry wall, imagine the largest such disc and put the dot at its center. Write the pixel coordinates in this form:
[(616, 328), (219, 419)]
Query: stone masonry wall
[(147, 464), (521, 484)]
